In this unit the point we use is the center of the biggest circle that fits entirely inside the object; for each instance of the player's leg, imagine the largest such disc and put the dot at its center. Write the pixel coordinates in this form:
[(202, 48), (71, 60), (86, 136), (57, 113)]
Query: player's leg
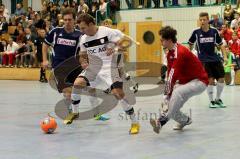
[(219, 70), (79, 84), (117, 91), (209, 67), (232, 83), (179, 96)]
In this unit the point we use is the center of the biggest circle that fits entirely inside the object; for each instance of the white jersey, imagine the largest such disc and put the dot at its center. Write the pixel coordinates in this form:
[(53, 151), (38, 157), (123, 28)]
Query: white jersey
[(96, 47)]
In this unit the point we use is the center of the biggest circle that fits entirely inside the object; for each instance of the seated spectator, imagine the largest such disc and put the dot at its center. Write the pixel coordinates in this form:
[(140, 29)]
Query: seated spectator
[(54, 13), (82, 8), (226, 32), (216, 22), (228, 13), (3, 48), (44, 12), (5, 12), (234, 45), (235, 21), (103, 9), (93, 10), (24, 20), (9, 54), (19, 11), (3, 25), (20, 54)]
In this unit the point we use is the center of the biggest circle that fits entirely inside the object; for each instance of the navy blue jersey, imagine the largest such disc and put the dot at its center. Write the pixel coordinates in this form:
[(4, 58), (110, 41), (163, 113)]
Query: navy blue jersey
[(205, 44), (65, 45)]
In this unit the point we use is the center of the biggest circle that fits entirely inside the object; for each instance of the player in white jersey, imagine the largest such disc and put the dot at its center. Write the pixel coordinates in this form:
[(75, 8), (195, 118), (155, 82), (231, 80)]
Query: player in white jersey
[(96, 57), (120, 60)]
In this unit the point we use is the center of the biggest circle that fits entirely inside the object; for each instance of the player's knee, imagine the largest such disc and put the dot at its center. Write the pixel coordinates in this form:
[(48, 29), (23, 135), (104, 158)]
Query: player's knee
[(80, 83), (118, 93), (211, 81)]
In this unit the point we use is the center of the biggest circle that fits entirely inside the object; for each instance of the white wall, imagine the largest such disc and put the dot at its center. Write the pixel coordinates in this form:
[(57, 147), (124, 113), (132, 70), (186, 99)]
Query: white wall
[(182, 19), (36, 5)]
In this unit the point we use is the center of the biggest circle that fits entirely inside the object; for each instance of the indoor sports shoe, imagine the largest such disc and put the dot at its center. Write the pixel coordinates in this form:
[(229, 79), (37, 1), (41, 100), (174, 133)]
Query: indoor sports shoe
[(135, 127), (156, 125), (213, 104), (219, 103), (101, 117), (70, 117), (181, 126)]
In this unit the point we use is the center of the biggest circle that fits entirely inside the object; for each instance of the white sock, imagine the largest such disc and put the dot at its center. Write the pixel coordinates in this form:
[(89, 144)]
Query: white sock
[(210, 92), (76, 98), (128, 109), (232, 76), (220, 87)]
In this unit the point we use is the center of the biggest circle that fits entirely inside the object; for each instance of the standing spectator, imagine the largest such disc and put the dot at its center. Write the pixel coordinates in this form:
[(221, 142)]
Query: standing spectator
[(44, 12), (230, 65), (53, 13), (29, 12)]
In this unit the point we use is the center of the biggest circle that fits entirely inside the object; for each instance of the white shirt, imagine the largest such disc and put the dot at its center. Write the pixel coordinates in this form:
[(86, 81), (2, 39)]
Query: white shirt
[(96, 47)]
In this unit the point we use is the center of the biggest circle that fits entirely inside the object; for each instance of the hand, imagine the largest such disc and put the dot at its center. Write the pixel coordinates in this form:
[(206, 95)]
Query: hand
[(110, 51), (45, 64)]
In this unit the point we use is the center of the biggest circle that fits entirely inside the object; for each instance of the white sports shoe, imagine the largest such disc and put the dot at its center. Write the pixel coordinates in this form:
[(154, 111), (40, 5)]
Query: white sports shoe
[(181, 126)]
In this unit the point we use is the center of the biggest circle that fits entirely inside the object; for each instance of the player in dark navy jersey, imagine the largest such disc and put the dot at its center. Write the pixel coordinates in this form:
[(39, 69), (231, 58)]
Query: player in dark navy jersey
[(206, 38), (64, 41)]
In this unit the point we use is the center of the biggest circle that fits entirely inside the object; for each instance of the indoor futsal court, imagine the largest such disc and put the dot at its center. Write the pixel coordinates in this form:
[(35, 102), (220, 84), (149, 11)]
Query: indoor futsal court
[(143, 90), (214, 133)]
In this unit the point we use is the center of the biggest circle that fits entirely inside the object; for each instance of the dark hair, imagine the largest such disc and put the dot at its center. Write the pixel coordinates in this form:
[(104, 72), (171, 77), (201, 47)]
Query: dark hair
[(168, 33), (69, 11), (204, 14), (85, 18)]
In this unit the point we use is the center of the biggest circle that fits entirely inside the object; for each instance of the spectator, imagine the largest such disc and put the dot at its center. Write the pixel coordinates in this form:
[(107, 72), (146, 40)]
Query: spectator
[(5, 12), (29, 12), (9, 54), (226, 32), (3, 48), (236, 20), (130, 3), (103, 9), (93, 10), (53, 13), (3, 25), (228, 13), (19, 10), (234, 44), (216, 22), (44, 12), (82, 8), (24, 20)]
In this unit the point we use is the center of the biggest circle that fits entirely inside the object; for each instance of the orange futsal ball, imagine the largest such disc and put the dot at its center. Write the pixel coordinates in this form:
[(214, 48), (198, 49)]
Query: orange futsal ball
[(48, 125)]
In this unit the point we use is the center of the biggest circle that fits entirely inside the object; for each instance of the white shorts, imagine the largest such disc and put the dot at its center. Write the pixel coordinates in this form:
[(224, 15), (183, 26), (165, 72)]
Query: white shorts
[(102, 79)]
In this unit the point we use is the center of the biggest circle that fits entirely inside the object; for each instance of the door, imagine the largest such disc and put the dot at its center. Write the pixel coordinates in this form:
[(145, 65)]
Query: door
[(149, 52)]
